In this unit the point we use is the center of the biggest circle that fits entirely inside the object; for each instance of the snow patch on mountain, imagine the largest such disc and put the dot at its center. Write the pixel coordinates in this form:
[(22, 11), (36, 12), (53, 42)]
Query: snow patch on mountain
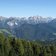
[(12, 23)]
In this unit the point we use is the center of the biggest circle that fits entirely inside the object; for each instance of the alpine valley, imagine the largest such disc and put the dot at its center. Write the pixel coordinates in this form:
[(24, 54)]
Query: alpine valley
[(31, 28)]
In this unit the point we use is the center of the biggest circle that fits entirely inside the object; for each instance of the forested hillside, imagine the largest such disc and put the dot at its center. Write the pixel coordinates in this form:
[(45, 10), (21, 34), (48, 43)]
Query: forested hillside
[(12, 46)]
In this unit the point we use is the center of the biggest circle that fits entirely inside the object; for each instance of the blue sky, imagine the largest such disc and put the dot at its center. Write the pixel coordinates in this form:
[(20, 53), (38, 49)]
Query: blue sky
[(18, 8)]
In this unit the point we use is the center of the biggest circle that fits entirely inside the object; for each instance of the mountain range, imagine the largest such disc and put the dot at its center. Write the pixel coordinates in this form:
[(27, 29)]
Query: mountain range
[(30, 28)]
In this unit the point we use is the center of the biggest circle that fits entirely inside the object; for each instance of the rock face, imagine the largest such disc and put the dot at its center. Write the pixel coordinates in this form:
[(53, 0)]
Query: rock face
[(31, 28)]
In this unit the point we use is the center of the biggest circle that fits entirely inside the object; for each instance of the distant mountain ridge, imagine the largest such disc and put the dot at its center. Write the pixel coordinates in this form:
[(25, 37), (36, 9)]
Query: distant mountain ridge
[(31, 19), (31, 28)]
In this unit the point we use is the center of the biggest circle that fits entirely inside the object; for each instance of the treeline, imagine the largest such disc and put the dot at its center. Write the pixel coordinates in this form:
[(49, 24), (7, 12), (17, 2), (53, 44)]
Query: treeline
[(10, 46)]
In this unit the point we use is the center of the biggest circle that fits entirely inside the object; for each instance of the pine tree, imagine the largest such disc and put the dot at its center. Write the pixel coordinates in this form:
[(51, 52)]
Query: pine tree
[(19, 47), (1, 44)]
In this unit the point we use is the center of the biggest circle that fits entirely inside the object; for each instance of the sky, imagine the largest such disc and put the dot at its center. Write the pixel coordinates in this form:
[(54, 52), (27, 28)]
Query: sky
[(25, 8)]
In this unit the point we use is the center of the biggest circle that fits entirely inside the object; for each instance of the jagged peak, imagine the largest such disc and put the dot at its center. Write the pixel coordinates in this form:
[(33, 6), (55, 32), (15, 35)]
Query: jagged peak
[(31, 19)]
